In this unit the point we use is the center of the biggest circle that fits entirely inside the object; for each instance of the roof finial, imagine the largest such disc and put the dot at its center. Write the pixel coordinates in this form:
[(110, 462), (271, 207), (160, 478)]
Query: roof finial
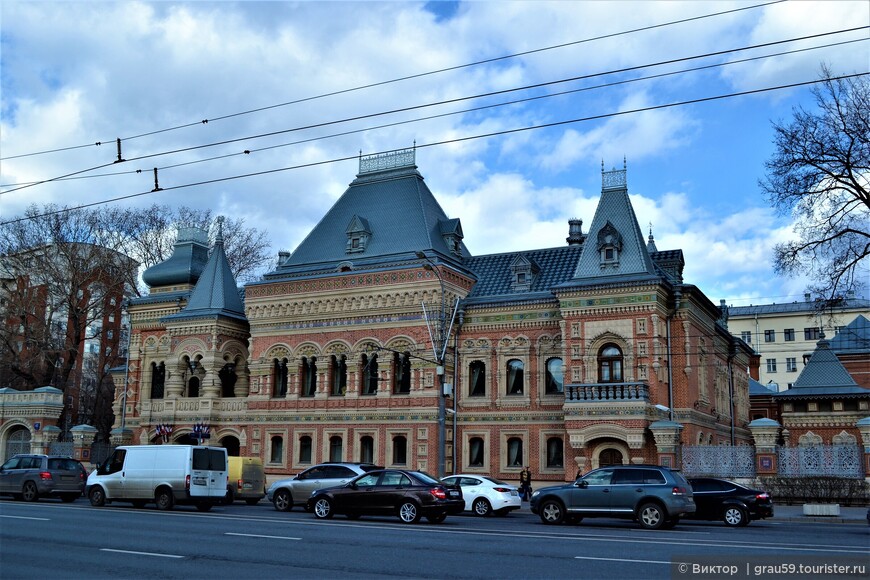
[(651, 243), (219, 239)]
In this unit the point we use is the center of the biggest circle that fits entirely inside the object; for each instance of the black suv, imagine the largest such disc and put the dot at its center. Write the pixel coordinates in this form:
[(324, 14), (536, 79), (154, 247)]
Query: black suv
[(30, 477), (655, 497)]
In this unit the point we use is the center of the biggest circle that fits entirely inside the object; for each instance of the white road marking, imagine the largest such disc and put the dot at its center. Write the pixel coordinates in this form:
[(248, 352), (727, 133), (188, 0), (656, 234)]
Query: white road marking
[(141, 553), (27, 518), (261, 536), (623, 560)]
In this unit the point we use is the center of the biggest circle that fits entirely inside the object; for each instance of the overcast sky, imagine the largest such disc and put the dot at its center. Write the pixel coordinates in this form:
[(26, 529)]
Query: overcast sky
[(282, 80)]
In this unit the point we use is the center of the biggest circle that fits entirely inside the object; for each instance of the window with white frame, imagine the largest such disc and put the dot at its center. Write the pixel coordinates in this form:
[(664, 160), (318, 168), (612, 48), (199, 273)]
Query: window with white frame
[(791, 364), (554, 377), (276, 453), (771, 365)]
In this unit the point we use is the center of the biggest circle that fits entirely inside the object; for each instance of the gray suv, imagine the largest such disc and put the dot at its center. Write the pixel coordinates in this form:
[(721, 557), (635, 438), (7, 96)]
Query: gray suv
[(286, 493), (656, 497), (30, 477)]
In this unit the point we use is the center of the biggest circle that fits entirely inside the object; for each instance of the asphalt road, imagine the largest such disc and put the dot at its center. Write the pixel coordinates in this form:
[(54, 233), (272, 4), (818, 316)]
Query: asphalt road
[(50, 539)]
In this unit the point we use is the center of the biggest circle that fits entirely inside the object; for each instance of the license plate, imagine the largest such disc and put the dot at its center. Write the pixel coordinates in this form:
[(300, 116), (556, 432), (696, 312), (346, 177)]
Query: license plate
[(454, 493), (247, 485), (199, 481), (515, 492)]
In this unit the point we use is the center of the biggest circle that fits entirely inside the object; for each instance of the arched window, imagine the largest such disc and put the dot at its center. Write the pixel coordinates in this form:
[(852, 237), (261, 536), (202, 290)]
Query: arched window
[(515, 452), (305, 449), (554, 380), (228, 378), (515, 384), (158, 380), (400, 450), (193, 387), (308, 373), (402, 372), (477, 379), (610, 364), (369, 374), (277, 453), (475, 452), (279, 378), (366, 449), (555, 452), (338, 368), (336, 448)]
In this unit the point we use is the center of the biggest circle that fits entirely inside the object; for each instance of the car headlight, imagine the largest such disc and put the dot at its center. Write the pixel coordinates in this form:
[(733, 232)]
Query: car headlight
[(535, 493)]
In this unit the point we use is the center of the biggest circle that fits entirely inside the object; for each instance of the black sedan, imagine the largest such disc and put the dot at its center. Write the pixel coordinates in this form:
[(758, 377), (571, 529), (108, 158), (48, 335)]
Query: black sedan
[(407, 494), (735, 504)]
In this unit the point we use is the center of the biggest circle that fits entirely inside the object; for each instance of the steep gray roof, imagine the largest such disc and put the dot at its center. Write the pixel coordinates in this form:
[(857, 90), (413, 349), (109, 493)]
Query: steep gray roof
[(757, 389), (186, 263), (854, 338), (809, 308), (393, 209), (824, 376), (215, 293), (614, 223)]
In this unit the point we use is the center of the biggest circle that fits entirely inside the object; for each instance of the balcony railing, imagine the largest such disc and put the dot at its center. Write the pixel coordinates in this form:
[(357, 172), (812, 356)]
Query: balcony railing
[(607, 392)]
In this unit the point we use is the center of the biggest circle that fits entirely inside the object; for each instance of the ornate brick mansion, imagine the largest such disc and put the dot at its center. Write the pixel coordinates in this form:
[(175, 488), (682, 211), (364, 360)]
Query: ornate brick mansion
[(564, 359)]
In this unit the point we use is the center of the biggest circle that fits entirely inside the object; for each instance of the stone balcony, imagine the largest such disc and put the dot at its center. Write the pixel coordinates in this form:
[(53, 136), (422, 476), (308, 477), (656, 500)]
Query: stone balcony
[(607, 392), (608, 402)]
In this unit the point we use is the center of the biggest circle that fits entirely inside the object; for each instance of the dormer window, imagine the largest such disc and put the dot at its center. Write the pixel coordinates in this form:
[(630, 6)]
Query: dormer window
[(451, 233), (358, 235), (609, 245), (521, 278), (523, 270)]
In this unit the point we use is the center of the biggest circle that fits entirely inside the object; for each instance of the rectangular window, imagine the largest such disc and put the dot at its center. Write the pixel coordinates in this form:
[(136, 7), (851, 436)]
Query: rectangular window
[(811, 333), (746, 336), (769, 336), (789, 334), (791, 365), (771, 365)]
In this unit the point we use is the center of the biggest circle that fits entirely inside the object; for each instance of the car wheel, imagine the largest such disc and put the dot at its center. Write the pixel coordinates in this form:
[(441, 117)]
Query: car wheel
[(164, 500), (409, 513), (204, 506), (323, 509), (283, 501), (29, 491), (481, 507), (252, 501), (437, 518), (69, 497), (651, 516), (735, 516), (97, 496), (552, 512)]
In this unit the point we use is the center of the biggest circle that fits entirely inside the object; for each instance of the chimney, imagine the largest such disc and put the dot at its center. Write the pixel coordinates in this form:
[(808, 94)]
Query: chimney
[(575, 232)]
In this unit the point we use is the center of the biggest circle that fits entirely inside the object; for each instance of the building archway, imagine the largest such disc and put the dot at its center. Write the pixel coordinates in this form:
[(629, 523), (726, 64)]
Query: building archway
[(17, 441), (609, 456), (231, 444), (610, 453)]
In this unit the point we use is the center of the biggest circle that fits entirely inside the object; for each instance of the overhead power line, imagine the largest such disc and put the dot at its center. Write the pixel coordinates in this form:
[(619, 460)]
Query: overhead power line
[(396, 80), (441, 143), (451, 113), (444, 102)]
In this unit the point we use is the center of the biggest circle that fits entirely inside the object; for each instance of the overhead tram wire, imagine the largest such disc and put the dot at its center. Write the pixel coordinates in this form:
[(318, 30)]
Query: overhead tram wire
[(451, 113), (441, 143), (448, 101), (398, 79)]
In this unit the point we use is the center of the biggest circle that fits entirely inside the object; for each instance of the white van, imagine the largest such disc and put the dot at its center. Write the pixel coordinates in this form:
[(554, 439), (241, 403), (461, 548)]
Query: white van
[(164, 474)]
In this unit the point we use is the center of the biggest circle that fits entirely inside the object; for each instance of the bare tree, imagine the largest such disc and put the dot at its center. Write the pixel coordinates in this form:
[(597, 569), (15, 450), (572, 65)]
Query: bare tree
[(818, 175), (64, 279)]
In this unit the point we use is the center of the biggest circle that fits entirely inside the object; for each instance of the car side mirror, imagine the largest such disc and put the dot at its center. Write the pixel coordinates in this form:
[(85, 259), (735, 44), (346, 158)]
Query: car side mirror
[(582, 483), (352, 485)]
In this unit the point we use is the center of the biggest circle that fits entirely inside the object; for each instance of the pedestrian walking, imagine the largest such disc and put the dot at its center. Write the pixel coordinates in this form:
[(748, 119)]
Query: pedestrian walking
[(526, 484)]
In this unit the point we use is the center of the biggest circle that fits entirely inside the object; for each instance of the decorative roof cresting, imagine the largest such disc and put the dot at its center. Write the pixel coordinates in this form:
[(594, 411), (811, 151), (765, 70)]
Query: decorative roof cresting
[(388, 160)]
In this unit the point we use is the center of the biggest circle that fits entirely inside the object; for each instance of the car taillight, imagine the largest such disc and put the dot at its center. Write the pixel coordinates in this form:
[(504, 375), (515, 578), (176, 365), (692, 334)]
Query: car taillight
[(502, 489), (44, 475), (678, 490), (762, 496), (239, 485), (438, 492), (187, 482)]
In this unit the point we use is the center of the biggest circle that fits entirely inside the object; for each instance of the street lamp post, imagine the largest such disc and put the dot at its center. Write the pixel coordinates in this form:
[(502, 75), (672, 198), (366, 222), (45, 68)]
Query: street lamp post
[(129, 327), (439, 347)]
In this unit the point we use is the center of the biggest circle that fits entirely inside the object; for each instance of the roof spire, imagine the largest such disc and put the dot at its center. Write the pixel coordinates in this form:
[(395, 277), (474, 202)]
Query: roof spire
[(219, 239), (651, 243)]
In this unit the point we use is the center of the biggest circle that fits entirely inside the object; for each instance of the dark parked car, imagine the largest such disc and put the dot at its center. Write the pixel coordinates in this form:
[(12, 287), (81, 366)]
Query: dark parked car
[(30, 477), (393, 492), (654, 496), (735, 504), (285, 493)]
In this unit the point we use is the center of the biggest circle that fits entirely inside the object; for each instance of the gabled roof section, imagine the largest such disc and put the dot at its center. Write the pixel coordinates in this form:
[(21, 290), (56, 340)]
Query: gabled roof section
[(614, 246), (854, 338), (824, 376), (496, 273), (756, 389), (215, 293), (402, 216)]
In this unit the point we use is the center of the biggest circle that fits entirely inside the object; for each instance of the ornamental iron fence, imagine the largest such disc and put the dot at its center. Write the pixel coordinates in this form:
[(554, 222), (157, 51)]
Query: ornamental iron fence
[(718, 461), (820, 460)]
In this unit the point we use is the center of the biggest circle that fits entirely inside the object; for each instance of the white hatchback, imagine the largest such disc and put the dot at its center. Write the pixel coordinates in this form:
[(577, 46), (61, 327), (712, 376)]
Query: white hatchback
[(485, 495)]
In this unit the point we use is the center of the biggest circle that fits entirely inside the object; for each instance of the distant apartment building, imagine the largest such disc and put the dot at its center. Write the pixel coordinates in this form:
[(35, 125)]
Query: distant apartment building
[(785, 335)]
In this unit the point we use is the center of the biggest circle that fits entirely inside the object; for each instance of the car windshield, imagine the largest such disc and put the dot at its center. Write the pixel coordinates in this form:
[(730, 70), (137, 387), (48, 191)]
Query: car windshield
[(495, 481)]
